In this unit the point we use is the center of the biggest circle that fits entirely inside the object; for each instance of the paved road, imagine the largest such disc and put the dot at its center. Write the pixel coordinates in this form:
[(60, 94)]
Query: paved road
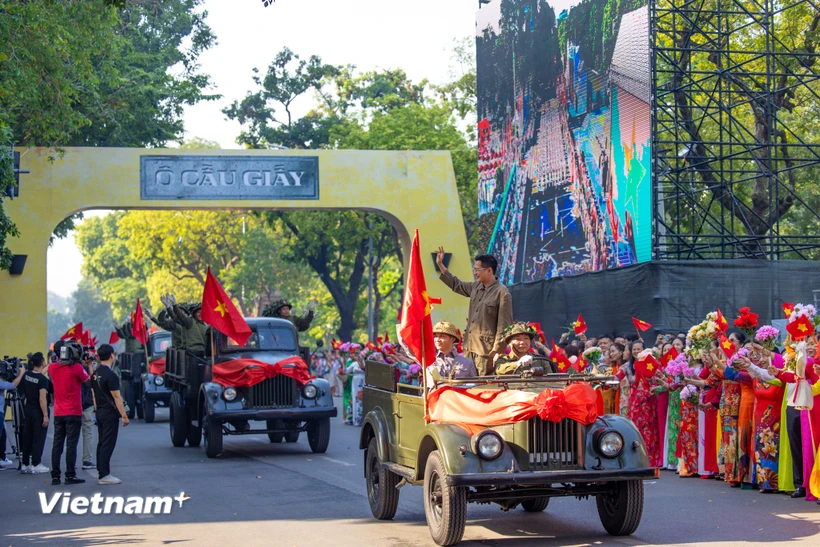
[(282, 495)]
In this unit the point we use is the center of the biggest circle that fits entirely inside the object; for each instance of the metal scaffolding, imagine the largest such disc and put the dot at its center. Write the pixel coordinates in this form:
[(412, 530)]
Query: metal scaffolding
[(735, 129)]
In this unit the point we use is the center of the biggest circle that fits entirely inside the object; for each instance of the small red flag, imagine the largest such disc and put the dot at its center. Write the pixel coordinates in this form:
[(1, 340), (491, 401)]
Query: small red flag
[(138, 328), (219, 312), (646, 368), (800, 328), (788, 308), (669, 356), (85, 339), (641, 326), (539, 332), (579, 325), (723, 324), (416, 324), (74, 333), (727, 346), (114, 338)]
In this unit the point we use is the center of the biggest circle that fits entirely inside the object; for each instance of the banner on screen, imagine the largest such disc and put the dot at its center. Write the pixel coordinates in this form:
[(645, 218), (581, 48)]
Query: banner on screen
[(564, 129)]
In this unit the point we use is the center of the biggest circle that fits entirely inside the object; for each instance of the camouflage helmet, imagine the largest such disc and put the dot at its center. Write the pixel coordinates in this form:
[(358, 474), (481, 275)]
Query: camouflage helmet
[(192, 307), (444, 327), (272, 310), (519, 327)]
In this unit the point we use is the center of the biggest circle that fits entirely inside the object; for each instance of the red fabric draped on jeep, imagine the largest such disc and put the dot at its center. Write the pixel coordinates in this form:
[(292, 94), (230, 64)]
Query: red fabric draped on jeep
[(249, 372), (490, 407), (157, 367)]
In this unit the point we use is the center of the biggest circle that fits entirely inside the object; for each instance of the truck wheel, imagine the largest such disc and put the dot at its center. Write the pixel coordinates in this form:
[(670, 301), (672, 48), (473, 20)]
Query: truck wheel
[(274, 437), (131, 399), (621, 509), (194, 436), (319, 435), (179, 421), (292, 436), (444, 506), (213, 437), (535, 505), (138, 403), (148, 410), (381, 485)]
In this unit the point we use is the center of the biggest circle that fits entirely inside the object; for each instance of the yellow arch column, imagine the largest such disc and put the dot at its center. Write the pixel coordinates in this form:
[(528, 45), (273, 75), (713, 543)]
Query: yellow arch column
[(411, 189)]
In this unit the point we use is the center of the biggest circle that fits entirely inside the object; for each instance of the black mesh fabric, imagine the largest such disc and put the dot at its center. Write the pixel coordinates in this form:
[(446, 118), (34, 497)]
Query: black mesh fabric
[(671, 295)]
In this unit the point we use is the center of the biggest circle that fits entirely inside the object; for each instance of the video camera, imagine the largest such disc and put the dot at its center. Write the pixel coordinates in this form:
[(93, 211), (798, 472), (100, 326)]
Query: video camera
[(10, 367), (71, 352)]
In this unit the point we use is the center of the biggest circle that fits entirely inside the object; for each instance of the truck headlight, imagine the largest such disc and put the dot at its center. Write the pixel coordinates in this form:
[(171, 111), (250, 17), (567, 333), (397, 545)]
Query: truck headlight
[(610, 443), (229, 394), (488, 445), (159, 380), (309, 391)]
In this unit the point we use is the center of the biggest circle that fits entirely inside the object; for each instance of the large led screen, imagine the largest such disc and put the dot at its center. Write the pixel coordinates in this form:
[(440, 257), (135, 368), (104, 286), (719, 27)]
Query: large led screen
[(563, 131)]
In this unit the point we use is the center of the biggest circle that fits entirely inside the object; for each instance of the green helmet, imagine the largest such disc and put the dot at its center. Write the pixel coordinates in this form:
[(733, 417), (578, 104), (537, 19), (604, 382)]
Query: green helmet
[(272, 310)]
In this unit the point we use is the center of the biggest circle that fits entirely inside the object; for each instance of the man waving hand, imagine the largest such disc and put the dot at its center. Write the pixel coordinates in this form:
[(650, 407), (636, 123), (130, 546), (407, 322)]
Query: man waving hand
[(490, 310)]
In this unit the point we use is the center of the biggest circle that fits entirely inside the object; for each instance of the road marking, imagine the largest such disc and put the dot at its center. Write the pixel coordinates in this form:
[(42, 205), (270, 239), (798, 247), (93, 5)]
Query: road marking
[(331, 460)]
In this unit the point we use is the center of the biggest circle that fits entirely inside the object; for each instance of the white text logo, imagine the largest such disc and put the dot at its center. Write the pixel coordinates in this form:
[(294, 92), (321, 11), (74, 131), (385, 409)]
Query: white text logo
[(98, 504)]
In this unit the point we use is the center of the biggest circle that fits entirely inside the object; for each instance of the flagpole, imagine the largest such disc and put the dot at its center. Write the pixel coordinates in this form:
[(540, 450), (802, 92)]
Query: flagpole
[(213, 346), (424, 374)]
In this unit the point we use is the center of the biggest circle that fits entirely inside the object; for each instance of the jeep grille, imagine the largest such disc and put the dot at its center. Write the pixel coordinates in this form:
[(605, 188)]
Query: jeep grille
[(554, 446), (276, 392)]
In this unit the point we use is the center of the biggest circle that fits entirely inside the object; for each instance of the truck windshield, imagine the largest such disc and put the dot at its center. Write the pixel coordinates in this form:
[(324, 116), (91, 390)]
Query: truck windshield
[(263, 338), (160, 344)]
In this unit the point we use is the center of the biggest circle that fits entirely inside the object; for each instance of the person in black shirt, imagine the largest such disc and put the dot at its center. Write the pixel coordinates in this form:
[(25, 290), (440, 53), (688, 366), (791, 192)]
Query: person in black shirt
[(109, 407), (35, 427)]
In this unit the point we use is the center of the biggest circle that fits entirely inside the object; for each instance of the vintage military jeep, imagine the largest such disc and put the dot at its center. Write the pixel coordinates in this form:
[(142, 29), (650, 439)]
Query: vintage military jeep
[(133, 371), (154, 391), (286, 408), (524, 463)]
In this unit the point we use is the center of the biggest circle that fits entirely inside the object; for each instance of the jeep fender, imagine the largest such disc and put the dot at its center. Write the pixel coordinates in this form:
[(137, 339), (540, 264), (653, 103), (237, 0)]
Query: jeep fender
[(448, 439), (375, 425), (634, 453), (210, 399)]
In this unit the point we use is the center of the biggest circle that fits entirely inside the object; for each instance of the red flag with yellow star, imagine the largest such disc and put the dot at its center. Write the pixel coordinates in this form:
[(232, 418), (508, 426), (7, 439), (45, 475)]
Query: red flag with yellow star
[(722, 323), (646, 368), (74, 333), (138, 328), (788, 308), (727, 346), (416, 324), (800, 328), (580, 326), (219, 312)]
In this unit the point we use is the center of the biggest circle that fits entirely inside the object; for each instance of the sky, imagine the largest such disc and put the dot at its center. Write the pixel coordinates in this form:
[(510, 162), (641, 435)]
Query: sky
[(417, 36)]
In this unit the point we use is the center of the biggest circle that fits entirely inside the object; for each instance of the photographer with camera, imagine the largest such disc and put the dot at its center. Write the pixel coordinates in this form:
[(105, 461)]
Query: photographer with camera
[(109, 406), (35, 428), (67, 375), (5, 384)]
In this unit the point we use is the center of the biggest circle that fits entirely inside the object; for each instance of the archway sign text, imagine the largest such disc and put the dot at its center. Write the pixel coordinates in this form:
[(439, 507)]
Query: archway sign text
[(229, 177)]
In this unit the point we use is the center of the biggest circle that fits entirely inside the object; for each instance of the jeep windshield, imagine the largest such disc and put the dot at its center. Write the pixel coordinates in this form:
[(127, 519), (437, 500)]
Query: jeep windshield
[(160, 344), (263, 338)]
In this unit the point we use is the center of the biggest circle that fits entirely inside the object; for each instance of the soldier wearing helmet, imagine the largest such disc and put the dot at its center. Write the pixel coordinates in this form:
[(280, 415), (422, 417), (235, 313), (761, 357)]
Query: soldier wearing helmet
[(282, 308)]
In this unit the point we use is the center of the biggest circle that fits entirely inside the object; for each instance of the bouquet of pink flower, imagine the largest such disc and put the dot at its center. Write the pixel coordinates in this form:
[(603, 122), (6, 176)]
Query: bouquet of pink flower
[(767, 335), (742, 352), (689, 394), (413, 372), (678, 368)]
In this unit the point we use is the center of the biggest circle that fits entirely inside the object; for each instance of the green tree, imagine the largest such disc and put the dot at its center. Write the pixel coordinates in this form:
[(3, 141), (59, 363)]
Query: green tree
[(58, 323), (93, 310)]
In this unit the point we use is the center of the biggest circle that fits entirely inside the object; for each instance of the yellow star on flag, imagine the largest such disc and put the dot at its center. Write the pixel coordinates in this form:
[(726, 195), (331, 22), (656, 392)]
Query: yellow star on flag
[(220, 307), (802, 328), (650, 366), (727, 344), (70, 331), (426, 303)]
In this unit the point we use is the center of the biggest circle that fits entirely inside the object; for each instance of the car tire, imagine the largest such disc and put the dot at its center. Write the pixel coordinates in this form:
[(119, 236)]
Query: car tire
[(194, 436), (535, 505), (179, 421), (148, 410), (275, 437), (292, 436), (319, 435), (131, 399), (213, 438), (382, 493), (447, 519), (621, 509)]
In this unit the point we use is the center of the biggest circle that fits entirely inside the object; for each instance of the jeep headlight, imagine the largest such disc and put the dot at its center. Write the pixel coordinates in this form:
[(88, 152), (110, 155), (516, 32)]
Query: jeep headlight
[(229, 394), (610, 443), (159, 380), (309, 391), (488, 445)]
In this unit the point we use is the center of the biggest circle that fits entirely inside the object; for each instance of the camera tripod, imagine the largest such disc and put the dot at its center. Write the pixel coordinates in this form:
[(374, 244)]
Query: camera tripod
[(14, 401)]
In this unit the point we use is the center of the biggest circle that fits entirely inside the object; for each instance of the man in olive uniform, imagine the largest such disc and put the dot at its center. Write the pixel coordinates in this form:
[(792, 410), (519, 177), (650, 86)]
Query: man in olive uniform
[(519, 337), (132, 345), (490, 310), (164, 321), (193, 335), (282, 308)]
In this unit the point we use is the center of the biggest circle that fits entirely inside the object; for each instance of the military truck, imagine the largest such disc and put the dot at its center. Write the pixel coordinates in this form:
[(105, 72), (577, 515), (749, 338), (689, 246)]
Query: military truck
[(133, 369), (154, 391), (283, 406), (525, 463)]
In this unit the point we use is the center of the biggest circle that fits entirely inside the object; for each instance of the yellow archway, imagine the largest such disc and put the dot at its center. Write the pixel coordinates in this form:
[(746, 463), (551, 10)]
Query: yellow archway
[(411, 189)]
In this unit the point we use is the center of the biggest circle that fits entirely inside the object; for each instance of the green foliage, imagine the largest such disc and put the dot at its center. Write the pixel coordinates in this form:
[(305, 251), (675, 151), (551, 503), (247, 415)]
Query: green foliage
[(93, 310), (58, 323)]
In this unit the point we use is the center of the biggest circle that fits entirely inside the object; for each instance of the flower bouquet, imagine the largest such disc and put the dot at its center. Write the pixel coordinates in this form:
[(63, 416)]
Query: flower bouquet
[(742, 352), (593, 355), (747, 321), (767, 336), (413, 373), (678, 369), (690, 394), (701, 335)]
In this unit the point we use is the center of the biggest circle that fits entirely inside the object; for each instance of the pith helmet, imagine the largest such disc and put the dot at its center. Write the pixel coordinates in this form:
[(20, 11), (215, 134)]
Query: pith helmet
[(444, 327), (519, 328)]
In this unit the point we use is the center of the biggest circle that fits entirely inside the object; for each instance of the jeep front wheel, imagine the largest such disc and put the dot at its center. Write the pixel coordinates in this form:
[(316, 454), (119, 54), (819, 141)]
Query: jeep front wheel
[(179, 421), (381, 485), (319, 435), (213, 437), (621, 508), (274, 437), (444, 506), (535, 505), (148, 410)]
